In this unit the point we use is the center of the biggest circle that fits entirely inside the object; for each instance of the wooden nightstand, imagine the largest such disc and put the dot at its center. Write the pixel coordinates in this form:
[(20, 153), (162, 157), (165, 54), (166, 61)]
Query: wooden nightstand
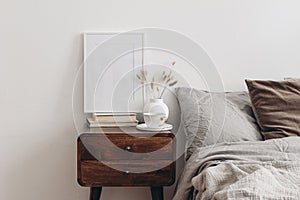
[(125, 157)]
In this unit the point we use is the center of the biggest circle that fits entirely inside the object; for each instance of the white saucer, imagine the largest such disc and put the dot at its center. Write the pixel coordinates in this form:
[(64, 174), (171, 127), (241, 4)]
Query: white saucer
[(144, 127)]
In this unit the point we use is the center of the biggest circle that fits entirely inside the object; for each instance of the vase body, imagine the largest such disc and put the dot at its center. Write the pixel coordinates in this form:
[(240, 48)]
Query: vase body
[(156, 113)]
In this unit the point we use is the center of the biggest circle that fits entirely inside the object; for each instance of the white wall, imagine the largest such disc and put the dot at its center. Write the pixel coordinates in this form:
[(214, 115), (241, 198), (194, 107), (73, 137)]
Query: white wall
[(41, 50)]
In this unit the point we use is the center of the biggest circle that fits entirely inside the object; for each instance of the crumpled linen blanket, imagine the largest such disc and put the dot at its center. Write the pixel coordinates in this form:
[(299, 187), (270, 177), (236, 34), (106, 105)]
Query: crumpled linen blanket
[(243, 170)]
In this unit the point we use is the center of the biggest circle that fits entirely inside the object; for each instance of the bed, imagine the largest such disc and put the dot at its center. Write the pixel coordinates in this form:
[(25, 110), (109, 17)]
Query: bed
[(241, 145)]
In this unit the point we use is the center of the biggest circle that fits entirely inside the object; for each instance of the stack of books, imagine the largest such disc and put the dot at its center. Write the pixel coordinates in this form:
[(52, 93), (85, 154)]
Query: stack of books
[(112, 120)]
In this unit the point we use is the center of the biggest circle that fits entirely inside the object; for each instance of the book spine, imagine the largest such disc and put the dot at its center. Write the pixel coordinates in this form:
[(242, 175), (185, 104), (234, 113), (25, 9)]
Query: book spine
[(111, 125), (114, 114), (116, 119)]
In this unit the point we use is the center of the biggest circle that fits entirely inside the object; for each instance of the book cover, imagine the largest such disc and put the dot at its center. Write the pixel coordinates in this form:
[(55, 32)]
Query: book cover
[(92, 123)]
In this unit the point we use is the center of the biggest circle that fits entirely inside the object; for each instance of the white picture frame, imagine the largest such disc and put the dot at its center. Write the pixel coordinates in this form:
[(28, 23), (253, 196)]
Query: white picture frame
[(111, 62)]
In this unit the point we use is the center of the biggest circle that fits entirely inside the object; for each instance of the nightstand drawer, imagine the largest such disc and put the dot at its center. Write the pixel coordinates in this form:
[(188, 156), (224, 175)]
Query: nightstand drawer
[(126, 157), (113, 147), (95, 173)]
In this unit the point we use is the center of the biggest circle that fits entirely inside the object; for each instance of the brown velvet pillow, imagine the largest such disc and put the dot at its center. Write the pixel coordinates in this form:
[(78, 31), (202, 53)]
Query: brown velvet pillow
[(276, 105)]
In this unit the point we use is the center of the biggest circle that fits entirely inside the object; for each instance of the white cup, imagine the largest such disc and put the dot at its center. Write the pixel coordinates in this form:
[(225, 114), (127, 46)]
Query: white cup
[(155, 120)]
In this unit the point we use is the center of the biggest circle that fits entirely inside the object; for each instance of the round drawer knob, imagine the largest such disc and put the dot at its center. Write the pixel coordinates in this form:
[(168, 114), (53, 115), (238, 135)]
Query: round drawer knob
[(128, 148), (127, 172)]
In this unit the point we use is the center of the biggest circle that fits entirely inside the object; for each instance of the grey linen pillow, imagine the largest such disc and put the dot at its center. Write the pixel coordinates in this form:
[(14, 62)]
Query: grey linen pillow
[(209, 118), (291, 79)]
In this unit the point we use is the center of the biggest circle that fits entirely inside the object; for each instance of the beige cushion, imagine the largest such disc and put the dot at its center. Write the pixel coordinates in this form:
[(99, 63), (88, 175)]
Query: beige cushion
[(276, 105)]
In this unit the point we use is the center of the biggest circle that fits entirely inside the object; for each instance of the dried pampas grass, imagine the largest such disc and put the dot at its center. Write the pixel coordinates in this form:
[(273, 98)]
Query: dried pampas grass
[(167, 80)]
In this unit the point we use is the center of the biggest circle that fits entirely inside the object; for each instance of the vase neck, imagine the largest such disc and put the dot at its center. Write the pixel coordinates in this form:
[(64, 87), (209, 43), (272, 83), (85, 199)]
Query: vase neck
[(156, 100)]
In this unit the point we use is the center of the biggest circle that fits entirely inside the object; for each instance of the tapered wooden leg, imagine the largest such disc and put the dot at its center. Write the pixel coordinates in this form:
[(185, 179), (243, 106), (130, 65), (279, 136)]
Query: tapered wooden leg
[(95, 193), (157, 193)]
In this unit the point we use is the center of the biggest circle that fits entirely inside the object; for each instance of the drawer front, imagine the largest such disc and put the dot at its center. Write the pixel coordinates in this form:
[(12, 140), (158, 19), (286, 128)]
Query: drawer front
[(126, 148), (95, 173)]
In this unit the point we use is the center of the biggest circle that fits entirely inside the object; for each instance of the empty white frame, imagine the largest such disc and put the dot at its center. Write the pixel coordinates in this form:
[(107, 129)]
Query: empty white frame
[(111, 62)]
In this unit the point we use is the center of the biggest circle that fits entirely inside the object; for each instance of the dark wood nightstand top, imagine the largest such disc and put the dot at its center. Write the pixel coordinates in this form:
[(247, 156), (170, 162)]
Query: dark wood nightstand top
[(132, 131)]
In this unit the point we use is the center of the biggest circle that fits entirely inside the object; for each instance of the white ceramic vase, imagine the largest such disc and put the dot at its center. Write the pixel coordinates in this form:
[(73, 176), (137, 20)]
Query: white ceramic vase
[(156, 113)]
